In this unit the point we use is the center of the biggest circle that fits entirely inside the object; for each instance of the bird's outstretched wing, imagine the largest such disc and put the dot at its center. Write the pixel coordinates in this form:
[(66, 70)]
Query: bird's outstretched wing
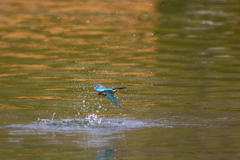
[(99, 86), (112, 99)]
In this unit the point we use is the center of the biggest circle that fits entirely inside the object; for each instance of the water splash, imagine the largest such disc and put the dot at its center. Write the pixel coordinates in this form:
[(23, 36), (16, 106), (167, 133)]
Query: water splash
[(91, 124), (90, 131)]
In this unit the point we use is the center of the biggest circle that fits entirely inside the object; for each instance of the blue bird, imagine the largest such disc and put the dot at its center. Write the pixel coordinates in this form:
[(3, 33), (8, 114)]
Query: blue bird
[(108, 92)]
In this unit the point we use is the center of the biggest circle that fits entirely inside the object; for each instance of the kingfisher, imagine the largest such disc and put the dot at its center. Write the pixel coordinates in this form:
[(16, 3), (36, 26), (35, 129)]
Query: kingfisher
[(108, 92)]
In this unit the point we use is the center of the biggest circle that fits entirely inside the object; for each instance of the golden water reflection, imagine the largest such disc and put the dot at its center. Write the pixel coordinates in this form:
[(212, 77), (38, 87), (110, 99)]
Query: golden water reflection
[(28, 55), (12, 74), (93, 80), (46, 98), (72, 23), (8, 106), (141, 74)]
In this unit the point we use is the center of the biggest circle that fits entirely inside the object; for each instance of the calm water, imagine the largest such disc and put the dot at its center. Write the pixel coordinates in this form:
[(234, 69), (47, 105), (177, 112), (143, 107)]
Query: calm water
[(178, 59)]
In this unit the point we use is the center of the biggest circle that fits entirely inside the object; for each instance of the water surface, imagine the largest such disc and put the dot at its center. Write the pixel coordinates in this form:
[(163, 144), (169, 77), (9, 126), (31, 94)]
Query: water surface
[(178, 60)]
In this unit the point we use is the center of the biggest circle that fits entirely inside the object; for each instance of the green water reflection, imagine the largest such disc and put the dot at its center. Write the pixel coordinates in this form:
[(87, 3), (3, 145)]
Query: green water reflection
[(178, 60)]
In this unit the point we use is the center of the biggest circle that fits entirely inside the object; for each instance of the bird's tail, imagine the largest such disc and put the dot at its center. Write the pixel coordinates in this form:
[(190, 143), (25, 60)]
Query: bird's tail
[(122, 107), (117, 88), (121, 87)]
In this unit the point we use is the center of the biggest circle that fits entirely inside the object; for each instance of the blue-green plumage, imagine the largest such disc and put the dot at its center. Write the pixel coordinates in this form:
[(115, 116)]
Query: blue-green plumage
[(108, 92)]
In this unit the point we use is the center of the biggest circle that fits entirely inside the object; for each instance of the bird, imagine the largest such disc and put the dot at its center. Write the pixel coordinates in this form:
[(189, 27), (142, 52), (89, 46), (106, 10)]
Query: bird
[(109, 93)]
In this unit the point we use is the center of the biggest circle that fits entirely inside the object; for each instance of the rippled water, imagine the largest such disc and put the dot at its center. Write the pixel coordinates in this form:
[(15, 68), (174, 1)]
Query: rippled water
[(178, 60)]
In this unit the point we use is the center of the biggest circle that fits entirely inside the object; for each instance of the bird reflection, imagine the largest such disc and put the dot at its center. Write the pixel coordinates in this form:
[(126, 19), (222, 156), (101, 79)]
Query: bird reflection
[(106, 154)]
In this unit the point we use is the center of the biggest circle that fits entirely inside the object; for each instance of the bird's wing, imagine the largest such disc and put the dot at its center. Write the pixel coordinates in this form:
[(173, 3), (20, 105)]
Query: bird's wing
[(112, 99), (99, 86)]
